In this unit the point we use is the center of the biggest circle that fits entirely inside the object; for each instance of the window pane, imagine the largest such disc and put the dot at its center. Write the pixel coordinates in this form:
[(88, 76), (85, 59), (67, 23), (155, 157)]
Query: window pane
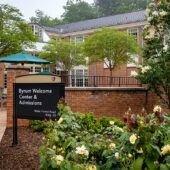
[(133, 32)]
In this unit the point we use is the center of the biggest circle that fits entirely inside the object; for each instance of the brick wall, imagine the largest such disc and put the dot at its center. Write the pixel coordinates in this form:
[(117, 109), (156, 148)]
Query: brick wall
[(111, 101), (12, 72), (106, 101)]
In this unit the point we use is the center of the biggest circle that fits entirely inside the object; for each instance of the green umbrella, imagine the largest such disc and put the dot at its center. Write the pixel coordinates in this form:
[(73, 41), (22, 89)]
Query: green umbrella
[(23, 58), (46, 73)]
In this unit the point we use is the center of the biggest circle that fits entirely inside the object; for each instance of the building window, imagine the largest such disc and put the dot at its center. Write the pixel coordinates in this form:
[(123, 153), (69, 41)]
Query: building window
[(79, 78), (78, 39), (31, 69), (45, 69), (37, 31), (5, 81), (37, 69), (134, 32)]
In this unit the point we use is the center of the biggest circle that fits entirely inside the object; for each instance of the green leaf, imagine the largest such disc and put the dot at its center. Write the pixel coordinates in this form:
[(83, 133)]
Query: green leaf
[(163, 167), (150, 164), (156, 148), (137, 165)]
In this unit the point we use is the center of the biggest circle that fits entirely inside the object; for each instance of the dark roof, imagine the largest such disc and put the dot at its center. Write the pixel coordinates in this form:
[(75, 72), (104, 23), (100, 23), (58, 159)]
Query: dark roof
[(112, 20)]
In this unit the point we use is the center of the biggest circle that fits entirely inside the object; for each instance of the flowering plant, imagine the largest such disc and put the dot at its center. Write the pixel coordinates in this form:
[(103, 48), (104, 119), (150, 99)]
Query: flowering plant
[(143, 143), (155, 71)]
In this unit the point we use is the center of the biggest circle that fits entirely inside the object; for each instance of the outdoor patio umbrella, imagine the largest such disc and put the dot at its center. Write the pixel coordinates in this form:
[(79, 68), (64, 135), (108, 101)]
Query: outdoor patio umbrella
[(46, 73), (23, 58)]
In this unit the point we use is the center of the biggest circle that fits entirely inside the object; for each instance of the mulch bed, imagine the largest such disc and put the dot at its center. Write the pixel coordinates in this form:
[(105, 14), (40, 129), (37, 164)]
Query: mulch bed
[(25, 154)]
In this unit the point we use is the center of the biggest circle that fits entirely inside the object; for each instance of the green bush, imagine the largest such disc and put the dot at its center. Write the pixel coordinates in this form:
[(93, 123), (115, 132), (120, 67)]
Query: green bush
[(90, 123), (104, 121), (143, 143), (37, 125)]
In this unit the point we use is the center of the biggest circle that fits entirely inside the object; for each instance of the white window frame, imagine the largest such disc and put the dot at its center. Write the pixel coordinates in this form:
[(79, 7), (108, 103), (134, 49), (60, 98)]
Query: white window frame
[(136, 57), (76, 77), (128, 31)]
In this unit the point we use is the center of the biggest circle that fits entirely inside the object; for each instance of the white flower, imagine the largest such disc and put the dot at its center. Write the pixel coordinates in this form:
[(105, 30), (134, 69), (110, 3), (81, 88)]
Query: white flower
[(118, 128), (165, 149), (130, 155), (112, 146), (59, 159), (147, 11), (133, 73), (157, 109), (152, 5), (155, 13), (132, 139), (163, 13), (60, 120), (91, 167), (151, 34), (145, 69), (146, 27), (82, 150), (140, 151), (54, 147), (111, 122), (140, 66), (117, 155), (159, 3), (149, 19)]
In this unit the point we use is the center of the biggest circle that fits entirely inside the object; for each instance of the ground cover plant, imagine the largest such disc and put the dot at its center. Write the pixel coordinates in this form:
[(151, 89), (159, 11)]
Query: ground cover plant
[(74, 143)]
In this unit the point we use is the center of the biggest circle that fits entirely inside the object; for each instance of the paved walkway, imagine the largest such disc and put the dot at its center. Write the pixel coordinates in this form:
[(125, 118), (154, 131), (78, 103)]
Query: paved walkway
[(3, 120)]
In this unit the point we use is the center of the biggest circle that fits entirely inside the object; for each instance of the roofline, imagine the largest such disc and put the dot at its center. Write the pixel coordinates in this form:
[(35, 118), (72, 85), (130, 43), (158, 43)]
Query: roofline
[(88, 31), (95, 18)]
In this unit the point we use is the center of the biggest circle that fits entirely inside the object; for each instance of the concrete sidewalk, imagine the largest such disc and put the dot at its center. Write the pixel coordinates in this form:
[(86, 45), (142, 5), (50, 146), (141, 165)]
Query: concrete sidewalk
[(3, 122)]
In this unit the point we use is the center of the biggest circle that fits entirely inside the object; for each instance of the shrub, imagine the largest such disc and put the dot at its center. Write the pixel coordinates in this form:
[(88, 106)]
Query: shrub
[(90, 123), (142, 144), (37, 125), (104, 121)]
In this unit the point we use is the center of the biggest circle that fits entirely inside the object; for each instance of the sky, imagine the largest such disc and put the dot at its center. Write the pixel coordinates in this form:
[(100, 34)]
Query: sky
[(53, 8)]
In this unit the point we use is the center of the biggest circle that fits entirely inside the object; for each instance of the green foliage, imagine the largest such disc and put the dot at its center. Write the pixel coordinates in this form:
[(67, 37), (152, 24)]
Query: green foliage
[(110, 46), (65, 53), (112, 7), (37, 125), (90, 123), (72, 144), (155, 71), (15, 34), (44, 20), (104, 121), (77, 11)]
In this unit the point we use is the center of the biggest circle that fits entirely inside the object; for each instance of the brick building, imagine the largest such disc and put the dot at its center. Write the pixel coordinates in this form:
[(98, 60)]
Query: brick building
[(133, 23)]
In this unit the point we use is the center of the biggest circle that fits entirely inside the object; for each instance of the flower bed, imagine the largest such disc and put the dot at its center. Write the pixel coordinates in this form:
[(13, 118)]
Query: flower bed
[(73, 143)]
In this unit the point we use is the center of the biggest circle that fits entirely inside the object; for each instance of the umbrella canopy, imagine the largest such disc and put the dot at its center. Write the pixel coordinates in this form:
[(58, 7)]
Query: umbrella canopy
[(23, 58), (46, 73)]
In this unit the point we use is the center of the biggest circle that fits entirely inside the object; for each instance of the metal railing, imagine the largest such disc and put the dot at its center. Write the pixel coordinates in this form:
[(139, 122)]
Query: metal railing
[(98, 81)]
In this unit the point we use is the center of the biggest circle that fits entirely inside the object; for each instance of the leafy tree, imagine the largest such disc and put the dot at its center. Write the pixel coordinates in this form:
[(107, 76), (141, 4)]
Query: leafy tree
[(15, 35), (156, 67), (111, 7), (45, 20), (78, 11), (110, 46), (63, 53)]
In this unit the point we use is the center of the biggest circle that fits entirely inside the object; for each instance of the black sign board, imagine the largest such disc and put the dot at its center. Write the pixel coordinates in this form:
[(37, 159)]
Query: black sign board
[(37, 101)]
